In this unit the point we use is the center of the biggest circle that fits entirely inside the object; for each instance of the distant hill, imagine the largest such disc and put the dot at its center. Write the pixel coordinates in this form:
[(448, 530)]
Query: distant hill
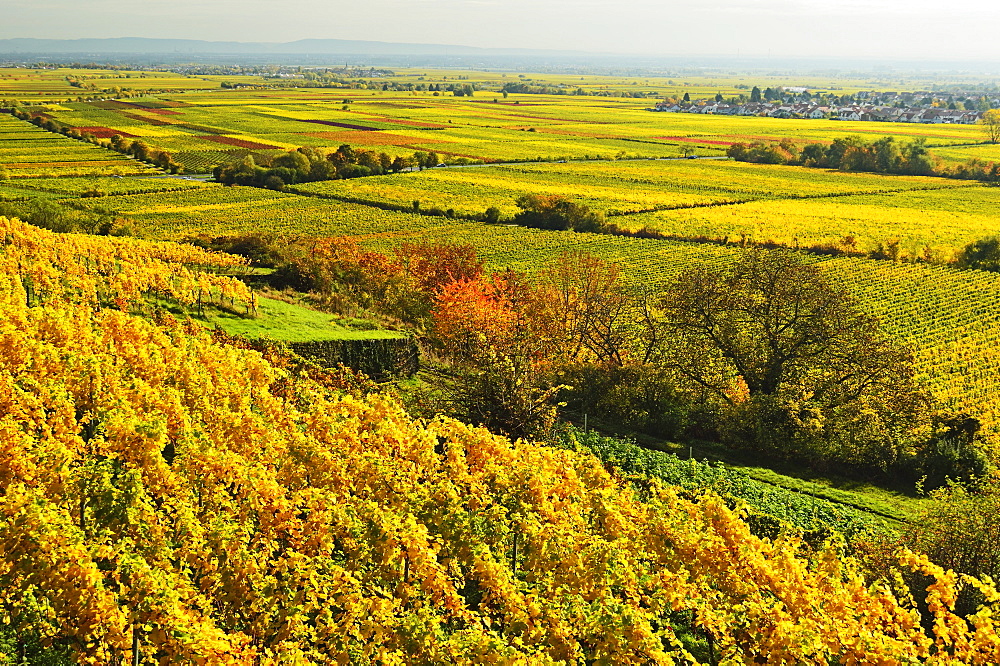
[(325, 52), (141, 45)]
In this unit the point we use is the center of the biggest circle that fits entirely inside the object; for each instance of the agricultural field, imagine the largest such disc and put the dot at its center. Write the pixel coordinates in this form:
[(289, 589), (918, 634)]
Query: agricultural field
[(220, 210), (931, 223), (616, 188), (951, 317), (201, 131), (101, 186), (61, 84), (27, 151), (205, 128), (289, 322), (9, 191), (953, 155)]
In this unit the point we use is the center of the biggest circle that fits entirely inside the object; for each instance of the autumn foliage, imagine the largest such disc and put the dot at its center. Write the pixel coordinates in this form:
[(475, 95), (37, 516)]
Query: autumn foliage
[(343, 275), (192, 499)]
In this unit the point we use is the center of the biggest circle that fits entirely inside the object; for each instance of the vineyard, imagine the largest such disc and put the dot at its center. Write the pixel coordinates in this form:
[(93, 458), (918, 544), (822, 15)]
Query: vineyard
[(933, 223), (186, 476), (621, 187), (950, 317), (167, 497), (124, 273), (100, 186), (27, 151), (218, 210)]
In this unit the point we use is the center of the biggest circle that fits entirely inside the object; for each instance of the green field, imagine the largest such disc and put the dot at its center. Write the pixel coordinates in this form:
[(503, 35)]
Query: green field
[(953, 155), (289, 322), (99, 186)]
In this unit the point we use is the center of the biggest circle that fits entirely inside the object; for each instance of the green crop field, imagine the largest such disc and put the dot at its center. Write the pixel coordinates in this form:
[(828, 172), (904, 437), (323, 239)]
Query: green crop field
[(952, 155), (101, 186), (288, 322)]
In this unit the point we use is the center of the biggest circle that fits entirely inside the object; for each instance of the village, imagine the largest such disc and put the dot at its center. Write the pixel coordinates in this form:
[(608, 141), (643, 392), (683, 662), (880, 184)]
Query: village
[(930, 111)]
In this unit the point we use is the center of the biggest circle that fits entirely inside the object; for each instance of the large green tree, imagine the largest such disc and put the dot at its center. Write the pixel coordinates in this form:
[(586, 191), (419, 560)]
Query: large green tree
[(983, 254), (790, 358), (556, 212)]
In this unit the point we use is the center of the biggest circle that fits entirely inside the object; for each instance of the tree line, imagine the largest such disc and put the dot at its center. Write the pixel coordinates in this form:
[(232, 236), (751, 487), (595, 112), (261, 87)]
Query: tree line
[(855, 153), (306, 165)]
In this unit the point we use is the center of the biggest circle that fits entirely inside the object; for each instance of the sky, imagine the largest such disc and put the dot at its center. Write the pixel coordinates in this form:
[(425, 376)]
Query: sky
[(896, 29)]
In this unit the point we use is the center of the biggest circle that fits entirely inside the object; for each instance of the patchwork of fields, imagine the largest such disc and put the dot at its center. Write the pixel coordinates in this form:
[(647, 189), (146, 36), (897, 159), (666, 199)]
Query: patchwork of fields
[(951, 317), (711, 198), (27, 151), (60, 83), (205, 128)]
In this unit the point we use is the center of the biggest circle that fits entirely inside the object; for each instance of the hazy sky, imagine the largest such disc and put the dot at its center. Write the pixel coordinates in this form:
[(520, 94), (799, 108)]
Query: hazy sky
[(900, 29)]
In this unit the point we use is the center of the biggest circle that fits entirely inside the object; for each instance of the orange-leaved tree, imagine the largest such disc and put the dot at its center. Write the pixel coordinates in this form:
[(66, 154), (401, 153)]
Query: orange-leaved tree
[(498, 333), (345, 276), (434, 265)]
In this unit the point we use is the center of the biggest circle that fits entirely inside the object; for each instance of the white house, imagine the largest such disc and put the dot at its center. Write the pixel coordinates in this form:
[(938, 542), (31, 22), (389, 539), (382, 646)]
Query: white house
[(669, 108), (849, 113)]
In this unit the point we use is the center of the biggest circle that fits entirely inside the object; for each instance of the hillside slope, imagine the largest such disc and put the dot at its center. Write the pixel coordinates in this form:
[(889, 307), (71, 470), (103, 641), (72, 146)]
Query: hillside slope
[(188, 502)]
